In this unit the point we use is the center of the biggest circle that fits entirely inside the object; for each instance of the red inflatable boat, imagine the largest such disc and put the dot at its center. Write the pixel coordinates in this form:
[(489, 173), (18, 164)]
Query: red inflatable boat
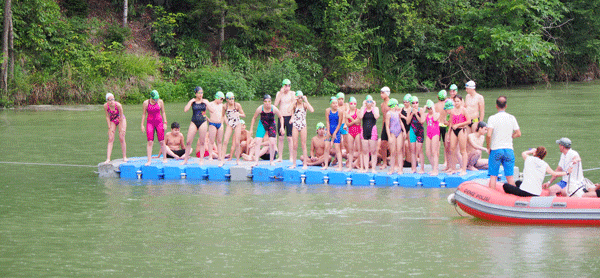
[(475, 198)]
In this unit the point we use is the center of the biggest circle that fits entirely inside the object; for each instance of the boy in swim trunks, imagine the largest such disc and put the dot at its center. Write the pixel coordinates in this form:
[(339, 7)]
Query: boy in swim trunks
[(174, 142), (382, 143), (283, 100), (215, 122), (318, 153), (475, 105)]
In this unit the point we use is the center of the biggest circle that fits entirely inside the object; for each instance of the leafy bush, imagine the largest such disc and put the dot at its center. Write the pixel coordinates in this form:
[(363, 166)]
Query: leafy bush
[(193, 52), (76, 7), (116, 33), (213, 79)]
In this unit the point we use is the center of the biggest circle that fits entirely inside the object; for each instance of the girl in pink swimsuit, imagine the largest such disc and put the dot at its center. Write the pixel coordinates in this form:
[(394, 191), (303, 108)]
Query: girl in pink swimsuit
[(115, 118), (354, 130), (152, 114), (459, 120), (432, 141)]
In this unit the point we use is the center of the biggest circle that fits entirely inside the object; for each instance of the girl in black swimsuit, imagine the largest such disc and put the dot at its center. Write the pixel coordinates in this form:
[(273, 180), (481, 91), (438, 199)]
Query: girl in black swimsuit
[(198, 123)]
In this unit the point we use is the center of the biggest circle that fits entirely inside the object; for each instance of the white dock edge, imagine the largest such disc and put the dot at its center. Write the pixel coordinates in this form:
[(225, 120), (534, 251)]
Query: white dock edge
[(240, 173)]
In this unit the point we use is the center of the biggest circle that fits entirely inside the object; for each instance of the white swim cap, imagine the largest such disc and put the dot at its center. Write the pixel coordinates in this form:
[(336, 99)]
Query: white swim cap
[(108, 95)]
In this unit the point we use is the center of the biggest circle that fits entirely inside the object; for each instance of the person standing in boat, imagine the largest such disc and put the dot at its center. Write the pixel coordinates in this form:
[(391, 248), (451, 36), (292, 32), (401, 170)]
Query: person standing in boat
[(151, 114), (115, 118), (502, 129), (568, 158), (533, 174)]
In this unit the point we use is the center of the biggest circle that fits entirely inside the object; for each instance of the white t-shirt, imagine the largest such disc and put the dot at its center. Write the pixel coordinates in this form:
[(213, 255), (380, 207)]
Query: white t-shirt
[(565, 162), (504, 126), (533, 175)]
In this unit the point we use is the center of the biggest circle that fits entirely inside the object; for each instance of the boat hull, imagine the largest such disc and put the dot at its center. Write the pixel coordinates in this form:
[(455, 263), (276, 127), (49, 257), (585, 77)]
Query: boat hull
[(482, 202)]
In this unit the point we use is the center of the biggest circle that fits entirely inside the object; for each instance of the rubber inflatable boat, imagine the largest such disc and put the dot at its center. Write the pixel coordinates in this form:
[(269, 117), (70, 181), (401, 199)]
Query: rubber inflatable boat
[(475, 198)]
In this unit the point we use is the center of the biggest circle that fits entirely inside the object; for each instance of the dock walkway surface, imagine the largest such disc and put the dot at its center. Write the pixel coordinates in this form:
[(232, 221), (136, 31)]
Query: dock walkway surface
[(134, 168)]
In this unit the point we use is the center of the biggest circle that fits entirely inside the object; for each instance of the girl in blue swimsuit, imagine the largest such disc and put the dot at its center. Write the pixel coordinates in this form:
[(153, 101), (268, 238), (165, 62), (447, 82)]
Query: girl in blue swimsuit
[(335, 118)]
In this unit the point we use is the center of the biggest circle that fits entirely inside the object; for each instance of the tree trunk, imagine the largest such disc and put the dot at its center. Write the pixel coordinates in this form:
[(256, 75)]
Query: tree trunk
[(11, 50), (125, 7), (4, 70), (221, 35)]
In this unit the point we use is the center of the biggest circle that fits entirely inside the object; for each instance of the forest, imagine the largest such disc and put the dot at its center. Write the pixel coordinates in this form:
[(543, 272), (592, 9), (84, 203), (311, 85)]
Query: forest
[(75, 51)]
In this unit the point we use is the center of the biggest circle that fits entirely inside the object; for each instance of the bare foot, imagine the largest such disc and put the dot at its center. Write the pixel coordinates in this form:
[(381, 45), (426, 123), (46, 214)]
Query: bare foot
[(237, 161), (125, 159), (293, 166), (373, 171), (165, 161), (108, 161), (462, 173), (304, 167), (272, 163), (390, 172), (184, 162), (340, 168), (383, 166), (421, 171), (278, 160), (221, 164), (433, 173), (148, 163), (254, 164), (400, 171), (324, 167), (471, 168)]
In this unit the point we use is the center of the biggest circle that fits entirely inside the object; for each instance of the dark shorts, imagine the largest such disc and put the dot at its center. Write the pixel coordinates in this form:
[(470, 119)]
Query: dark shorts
[(598, 192), (287, 125), (515, 190), (443, 130), (180, 153), (267, 156), (384, 136)]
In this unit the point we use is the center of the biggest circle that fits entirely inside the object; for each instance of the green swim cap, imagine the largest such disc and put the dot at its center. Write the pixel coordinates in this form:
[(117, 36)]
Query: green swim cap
[(219, 94), (286, 82), (449, 104), (393, 103), (414, 99), (442, 95), (429, 104), (229, 95), (407, 98), (154, 94), (352, 99), (340, 95), (320, 125), (453, 87), (299, 94), (368, 97), (332, 99)]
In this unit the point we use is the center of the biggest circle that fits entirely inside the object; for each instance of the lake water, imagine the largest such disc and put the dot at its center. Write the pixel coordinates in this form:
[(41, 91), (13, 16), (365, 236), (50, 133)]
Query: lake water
[(57, 218)]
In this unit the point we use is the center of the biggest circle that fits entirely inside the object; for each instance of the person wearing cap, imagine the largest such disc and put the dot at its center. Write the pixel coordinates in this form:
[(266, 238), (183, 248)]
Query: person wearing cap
[(475, 148), (382, 143), (343, 106), (404, 112), (151, 116), (502, 129), (245, 138), (283, 100), (432, 141), (534, 171), (115, 118), (299, 109), (369, 114), (319, 155), (416, 135), (334, 118), (198, 123), (266, 127), (395, 137), (459, 123), (443, 119), (569, 158), (452, 91), (475, 105), (353, 137), (215, 123), (232, 111)]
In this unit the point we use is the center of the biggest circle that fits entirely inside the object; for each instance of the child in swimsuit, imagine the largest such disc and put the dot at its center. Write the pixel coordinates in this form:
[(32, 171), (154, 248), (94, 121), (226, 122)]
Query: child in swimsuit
[(335, 118), (115, 118), (416, 135), (232, 111), (155, 122), (215, 122), (432, 142), (266, 127), (459, 120), (369, 116), (197, 124), (299, 127), (395, 137), (354, 130)]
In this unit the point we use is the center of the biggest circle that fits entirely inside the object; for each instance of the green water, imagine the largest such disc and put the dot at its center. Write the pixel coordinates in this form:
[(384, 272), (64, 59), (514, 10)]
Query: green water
[(58, 220)]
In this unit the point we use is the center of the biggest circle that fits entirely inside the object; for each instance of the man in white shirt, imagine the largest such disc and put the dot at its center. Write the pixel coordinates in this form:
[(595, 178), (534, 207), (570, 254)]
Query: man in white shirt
[(568, 158), (502, 129)]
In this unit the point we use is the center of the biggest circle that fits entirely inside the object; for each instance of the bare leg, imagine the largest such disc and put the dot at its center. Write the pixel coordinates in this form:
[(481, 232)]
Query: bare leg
[(149, 152), (303, 136), (228, 132), (111, 139), (462, 141), (294, 146), (393, 151), (419, 150), (400, 151), (164, 150), (272, 143), (435, 150), (188, 143), (122, 131)]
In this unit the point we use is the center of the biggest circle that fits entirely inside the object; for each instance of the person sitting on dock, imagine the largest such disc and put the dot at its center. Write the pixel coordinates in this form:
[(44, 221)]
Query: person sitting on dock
[(533, 174), (175, 142), (318, 155), (475, 148), (263, 154)]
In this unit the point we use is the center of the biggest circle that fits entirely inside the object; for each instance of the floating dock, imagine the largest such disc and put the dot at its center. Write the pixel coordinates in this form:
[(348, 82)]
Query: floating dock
[(134, 168)]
